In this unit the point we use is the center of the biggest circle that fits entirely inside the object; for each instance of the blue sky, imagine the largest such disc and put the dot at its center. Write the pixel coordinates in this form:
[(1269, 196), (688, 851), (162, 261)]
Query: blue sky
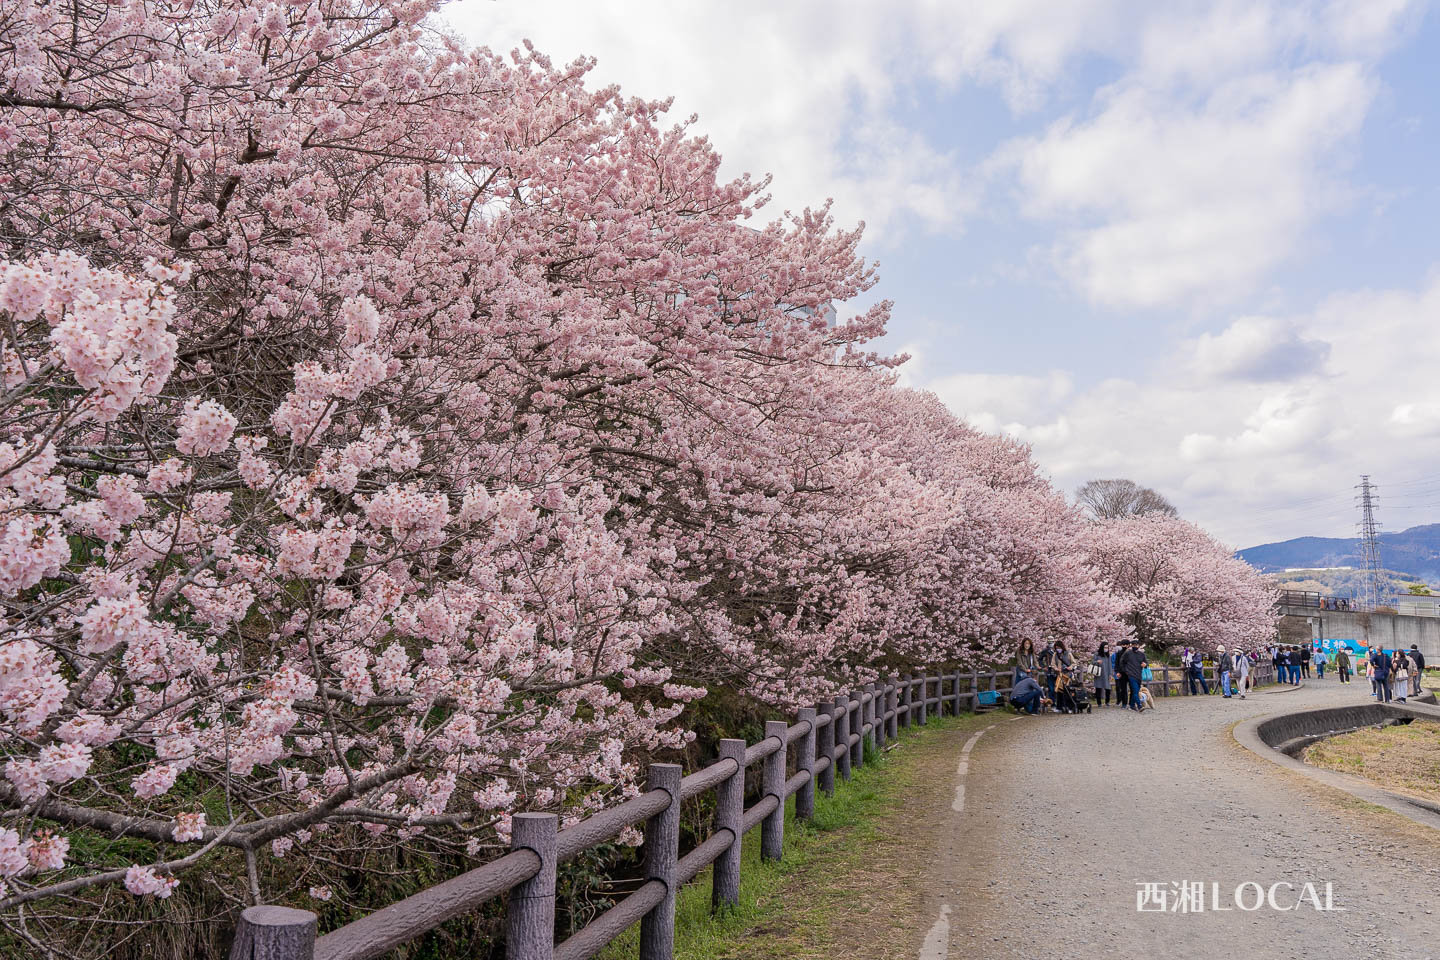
[(1190, 243)]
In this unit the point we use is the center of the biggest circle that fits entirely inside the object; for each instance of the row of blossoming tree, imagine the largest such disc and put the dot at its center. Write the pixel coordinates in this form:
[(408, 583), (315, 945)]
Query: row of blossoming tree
[(396, 436)]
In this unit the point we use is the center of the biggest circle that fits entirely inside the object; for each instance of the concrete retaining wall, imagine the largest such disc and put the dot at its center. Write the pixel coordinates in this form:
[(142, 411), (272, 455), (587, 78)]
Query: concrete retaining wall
[(1293, 732), (1386, 629)]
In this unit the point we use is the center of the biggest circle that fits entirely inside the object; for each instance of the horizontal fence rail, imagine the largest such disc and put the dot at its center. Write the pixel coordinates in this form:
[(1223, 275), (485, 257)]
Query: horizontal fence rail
[(826, 738)]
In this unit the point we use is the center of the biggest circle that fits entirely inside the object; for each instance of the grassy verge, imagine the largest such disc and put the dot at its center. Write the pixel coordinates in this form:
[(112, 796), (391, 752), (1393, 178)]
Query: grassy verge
[(843, 870), (1405, 758)]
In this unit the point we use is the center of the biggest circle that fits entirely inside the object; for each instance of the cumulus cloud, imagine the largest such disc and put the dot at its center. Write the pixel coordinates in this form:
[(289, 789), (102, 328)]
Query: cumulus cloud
[(1256, 348), (1193, 174), (1173, 202), (1250, 457), (998, 402)]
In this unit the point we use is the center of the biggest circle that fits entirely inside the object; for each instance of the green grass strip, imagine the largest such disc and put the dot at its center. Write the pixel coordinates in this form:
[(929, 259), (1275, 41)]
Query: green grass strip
[(837, 840)]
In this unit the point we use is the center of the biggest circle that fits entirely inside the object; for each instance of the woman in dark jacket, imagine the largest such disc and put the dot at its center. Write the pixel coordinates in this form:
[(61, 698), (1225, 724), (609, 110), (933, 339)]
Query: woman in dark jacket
[(1105, 679)]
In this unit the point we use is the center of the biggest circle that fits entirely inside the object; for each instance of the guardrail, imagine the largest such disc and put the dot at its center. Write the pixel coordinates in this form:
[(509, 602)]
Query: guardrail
[(827, 738), (1318, 601)]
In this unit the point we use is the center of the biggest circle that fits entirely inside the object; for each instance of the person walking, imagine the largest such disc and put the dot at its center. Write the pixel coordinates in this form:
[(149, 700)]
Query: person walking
[(1225, 666), (1282, 665), (1400, 675), (1122, 689), (1295, 665), (1195, 674), (1342, 664), (1417, 659), (1131, 666), (1105, 679), (1320, 664), (1305, 661), (1242, 672), (1380, 663)]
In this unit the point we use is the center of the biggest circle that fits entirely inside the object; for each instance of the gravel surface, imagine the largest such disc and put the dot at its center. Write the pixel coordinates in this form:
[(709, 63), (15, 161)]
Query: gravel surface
[(1061, 817)]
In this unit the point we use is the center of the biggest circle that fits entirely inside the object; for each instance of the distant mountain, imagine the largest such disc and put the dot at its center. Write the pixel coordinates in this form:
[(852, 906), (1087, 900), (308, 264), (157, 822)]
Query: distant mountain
[(1415, 551)]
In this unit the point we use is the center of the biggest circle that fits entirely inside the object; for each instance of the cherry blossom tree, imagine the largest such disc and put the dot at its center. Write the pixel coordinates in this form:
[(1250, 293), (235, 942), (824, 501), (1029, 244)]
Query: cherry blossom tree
[(396, 436), (1182, 587)]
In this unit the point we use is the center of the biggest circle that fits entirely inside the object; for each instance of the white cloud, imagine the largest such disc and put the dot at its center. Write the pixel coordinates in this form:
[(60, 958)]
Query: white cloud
[(1170, 202), (1003, 403), (1192, 175), (1248, 457), (1256, 348)]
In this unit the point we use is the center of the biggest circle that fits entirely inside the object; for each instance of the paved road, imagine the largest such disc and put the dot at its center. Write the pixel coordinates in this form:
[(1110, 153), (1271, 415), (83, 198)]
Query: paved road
[(1057, 820)]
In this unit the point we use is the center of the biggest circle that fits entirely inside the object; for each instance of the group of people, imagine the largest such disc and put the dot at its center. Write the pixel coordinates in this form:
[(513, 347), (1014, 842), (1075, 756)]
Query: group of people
[(1395, 676), (1053, 679), (1041, 680), (1233, 669), (1292, 663)]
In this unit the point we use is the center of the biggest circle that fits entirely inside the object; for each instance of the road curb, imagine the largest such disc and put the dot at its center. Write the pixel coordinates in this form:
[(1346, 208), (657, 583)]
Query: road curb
[(1247, 734)]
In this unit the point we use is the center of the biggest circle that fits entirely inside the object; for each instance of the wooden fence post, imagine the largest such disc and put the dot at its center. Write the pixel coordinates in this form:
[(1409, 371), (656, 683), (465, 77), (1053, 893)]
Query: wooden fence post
[(857, 727), (274, 933), (905, 686), (1165, 672), (842, 736), (729, 815), (881, 721), (974, 690), (530, 914), (955, 694), (869, 714), (892, 704), (825, 747), (772, 828), (805, 760), (924, 698), (662, 850)]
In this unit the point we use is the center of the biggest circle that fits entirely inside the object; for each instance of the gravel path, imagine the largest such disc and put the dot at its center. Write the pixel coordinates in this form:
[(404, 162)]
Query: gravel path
[(1057, 819)]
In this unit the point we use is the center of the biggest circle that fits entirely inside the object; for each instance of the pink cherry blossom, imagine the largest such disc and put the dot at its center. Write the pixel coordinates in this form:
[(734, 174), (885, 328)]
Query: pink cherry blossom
[(189, 826), (205, 429), (144, 881)]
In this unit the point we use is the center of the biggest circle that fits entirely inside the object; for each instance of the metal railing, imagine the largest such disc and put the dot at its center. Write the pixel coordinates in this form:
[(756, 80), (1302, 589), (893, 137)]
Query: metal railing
[(1314, 600)]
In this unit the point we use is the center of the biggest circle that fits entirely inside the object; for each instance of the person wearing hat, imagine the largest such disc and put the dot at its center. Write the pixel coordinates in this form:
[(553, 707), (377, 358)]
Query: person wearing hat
[(1226, 666)]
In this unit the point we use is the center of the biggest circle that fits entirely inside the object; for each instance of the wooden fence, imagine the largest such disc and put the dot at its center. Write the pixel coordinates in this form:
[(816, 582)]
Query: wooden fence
[(824, 739)]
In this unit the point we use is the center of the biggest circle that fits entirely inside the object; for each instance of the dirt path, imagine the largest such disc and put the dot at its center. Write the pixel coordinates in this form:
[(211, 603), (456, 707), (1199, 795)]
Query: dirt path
[(1056, 820)]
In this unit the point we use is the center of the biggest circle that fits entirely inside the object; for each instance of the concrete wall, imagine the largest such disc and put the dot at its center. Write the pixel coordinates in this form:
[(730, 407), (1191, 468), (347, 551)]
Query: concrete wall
[(1385, 629), (1294, 732)]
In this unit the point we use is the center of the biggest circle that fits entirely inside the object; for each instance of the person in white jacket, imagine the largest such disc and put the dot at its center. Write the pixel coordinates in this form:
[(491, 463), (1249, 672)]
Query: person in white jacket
[(1242, 671)]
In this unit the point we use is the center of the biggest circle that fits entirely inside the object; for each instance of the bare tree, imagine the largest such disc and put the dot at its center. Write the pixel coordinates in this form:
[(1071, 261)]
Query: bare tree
[(1108, 499)]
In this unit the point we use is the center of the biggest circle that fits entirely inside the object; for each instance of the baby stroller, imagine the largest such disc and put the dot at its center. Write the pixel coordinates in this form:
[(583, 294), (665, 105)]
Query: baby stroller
[(1071, 695)]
